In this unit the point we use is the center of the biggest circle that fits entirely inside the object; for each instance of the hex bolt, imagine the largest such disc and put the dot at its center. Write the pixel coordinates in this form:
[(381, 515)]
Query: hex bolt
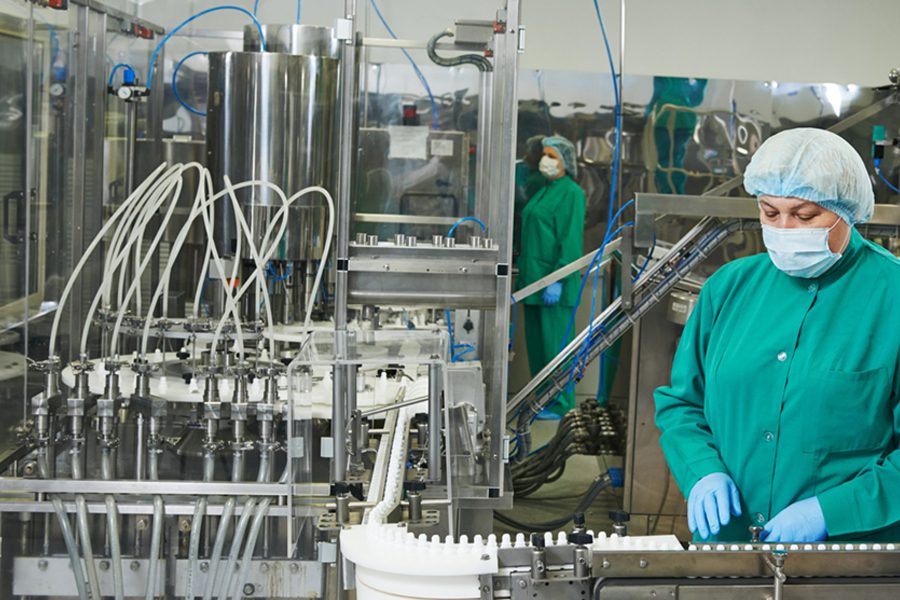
[(204, 567), (249, 588), (264, 567), (104, 565), (522, 584), (295, 568), (135, 565), (642, 564), (42, 565)]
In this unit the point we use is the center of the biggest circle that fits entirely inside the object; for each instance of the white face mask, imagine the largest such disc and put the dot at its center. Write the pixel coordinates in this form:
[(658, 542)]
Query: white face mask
[(549, 167), (802, 251)]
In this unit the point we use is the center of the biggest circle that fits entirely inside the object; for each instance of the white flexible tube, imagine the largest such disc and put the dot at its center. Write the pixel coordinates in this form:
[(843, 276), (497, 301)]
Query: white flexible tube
[(159, 513), (257, 274), (231, 304), (112, 518), (247, 558), (254, 253), (136, 282), (198, 206), (281, 217), (121, 232), (224, 523), (204, 271), (69, 538), (224, 582), (54, 328), (116, 259), (157, 199), (194, 547)]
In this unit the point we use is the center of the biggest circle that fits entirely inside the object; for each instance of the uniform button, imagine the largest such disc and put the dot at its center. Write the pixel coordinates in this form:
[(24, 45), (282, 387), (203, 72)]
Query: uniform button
[(769, 436), (782, 356), (760, 518), (812, 287)]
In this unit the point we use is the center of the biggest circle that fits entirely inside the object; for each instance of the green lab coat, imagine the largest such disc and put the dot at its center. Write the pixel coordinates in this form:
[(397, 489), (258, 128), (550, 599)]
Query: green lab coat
[(552, 237), (792, 386)]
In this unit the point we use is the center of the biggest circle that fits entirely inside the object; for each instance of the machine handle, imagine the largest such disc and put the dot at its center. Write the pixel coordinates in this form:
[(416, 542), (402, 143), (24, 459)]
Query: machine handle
[(14, 234)]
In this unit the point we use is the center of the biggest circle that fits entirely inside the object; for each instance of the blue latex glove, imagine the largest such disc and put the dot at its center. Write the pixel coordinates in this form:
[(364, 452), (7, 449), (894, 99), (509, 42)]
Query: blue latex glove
[(802, 521), (711, 503), (552, 293)]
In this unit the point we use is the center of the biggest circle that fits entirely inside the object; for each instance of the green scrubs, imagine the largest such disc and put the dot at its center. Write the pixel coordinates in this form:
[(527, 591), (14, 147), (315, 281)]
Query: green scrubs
[(791, 386), (552, 237)]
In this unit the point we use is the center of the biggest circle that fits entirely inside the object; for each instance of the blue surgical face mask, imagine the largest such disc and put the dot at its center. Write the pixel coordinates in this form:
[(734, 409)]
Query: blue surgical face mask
[(801, 251)]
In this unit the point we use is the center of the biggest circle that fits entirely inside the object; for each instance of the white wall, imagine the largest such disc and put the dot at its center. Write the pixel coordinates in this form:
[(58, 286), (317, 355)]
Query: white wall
[(786, 40)]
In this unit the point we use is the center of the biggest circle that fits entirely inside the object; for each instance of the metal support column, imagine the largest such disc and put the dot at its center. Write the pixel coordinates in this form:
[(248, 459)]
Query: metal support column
[(435, 393)]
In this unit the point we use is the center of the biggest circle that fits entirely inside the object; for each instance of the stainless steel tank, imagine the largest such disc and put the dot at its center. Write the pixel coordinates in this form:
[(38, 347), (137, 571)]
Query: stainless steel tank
[(273, 116)]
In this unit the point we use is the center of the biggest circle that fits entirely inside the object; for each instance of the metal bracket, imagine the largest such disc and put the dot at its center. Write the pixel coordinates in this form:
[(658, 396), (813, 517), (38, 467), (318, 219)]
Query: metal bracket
[(343, 30)]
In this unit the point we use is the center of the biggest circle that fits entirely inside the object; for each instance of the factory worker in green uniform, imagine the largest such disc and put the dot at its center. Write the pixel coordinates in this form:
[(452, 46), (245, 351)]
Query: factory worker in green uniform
[(552, 237), (783, 406)]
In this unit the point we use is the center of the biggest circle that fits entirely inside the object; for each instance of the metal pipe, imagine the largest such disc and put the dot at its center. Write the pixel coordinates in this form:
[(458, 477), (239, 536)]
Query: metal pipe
[(338, 429), (435, 393), (570, 268), (130, 140), (140, 448), (352, 443)]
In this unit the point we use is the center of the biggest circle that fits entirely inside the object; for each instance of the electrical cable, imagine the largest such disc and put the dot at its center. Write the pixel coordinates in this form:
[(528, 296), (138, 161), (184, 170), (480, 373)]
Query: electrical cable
[(598, 485), (647, 261), (479, 62), (175, 83), (177, 28), (881, 176), (415, 66)]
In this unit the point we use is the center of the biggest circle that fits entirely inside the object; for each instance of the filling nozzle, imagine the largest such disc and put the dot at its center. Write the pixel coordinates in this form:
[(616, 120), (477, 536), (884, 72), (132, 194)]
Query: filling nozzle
[(106, 405), (142, 369), (41, 403)]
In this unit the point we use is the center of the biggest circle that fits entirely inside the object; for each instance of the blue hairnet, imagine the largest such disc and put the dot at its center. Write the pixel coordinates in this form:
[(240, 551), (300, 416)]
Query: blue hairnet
[(566, 151), (815, 165)]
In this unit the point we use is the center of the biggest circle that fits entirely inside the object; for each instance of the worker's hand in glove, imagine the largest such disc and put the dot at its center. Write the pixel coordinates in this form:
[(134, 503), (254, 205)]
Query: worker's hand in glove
[(711, 503), (802, 521), (552, 293)]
